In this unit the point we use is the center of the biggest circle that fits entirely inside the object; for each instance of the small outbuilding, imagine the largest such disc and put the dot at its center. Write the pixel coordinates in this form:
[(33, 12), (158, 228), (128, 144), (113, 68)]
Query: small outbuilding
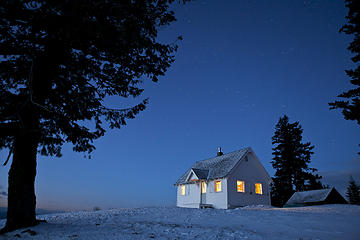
[(226, 181), (315, 197)]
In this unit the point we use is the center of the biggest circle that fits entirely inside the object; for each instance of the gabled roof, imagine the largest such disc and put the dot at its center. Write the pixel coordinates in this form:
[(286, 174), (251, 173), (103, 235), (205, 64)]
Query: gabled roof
[(213, 168), (309, 196), (201, 173)]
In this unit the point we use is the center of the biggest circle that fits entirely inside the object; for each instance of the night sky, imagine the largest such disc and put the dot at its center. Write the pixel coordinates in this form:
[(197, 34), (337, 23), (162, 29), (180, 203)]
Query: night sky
[(241, 66)]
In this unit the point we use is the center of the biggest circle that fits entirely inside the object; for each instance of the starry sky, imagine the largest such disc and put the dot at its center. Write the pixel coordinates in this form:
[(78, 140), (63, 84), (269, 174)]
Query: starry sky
[(241, 66)]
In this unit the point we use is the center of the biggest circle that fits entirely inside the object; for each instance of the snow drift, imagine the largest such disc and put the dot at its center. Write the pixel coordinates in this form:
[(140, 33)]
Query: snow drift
[(253, 222)]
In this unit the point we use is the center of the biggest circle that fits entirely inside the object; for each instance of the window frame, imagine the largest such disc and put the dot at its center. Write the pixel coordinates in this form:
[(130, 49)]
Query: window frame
[(238, 185), (215, 185), (182, 190), (261, 190)]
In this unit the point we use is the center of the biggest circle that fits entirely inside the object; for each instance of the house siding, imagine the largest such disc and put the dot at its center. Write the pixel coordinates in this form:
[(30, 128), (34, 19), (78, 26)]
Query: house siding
[(251, 172), (217, 199), (191, 199)]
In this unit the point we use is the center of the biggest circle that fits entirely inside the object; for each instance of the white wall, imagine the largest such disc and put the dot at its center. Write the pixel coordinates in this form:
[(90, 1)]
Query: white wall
[(250, 172), (217, 199), (191, 199)]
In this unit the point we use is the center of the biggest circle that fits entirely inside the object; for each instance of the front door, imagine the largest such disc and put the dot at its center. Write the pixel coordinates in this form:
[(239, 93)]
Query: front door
[(203, 192)]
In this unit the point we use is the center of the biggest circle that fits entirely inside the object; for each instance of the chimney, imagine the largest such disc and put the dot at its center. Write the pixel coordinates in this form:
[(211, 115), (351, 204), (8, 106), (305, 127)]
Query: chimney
[(219, 153)]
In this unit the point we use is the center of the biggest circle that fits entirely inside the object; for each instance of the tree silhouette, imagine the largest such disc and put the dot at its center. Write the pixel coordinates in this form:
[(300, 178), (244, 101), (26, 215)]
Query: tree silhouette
[(353, 192), (351, 104), (59, 60), (291, 158)]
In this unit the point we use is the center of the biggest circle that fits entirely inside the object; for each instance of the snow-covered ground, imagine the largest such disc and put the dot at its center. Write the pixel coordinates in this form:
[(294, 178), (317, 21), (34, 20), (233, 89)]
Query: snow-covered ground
[(257, 222)]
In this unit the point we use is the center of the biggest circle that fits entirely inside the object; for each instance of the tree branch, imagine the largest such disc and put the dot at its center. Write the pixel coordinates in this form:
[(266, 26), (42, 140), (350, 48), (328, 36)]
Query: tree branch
[(10, 152)]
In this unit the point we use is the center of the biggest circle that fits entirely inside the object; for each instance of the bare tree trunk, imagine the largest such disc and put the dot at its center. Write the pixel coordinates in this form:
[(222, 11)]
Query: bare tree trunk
[(21, 187)]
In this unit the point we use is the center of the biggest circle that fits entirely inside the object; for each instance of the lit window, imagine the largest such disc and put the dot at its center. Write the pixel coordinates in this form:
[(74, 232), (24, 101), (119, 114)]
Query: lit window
[(217, 186), (203, 187), (258, 188), (240, 186), (182, 187)]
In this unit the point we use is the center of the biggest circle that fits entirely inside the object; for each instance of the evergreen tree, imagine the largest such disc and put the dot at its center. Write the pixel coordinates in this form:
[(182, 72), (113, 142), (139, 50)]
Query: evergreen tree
[(291, 158), (353, 192), (351, 104), (59, 60)]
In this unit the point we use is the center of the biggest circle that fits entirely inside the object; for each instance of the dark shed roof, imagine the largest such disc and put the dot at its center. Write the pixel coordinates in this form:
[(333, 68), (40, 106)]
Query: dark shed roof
[(322, 196)]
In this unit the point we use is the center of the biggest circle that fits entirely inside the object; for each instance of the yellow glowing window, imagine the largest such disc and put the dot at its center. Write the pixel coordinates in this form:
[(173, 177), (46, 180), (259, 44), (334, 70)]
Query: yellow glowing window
[(203, 187), (182, 188), (258, 188), (217, 186), (240, 186)]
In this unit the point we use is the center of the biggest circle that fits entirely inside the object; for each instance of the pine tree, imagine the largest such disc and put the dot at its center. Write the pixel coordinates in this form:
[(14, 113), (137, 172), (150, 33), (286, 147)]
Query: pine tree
[(353, 192), (291, 158), (351, 104), (59, 61)]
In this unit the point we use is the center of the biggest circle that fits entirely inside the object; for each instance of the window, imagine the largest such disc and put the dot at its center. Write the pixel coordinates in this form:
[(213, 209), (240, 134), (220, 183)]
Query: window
[(182, 189), (203, 187), (258, 188), (240, 186), (217, 186)]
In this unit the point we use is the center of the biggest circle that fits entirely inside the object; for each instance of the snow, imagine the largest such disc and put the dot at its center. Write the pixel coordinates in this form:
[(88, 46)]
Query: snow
[(309, 196), (252, 222)]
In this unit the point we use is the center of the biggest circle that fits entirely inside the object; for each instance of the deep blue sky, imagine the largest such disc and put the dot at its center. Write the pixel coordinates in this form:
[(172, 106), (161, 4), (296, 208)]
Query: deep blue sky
[(240, 67)]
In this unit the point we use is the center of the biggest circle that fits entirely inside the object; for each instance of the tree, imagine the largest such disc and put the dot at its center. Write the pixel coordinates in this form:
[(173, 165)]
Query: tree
[(351, 104), (291, 158), (353, 192), (59, 61)]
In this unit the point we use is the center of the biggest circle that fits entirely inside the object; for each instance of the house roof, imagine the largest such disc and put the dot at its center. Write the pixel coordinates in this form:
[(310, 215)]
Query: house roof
[(216, 167), (201, 173), (309, 196)]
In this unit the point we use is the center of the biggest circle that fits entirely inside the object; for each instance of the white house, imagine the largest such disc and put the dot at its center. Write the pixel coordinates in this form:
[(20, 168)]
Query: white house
[(225, 181)]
